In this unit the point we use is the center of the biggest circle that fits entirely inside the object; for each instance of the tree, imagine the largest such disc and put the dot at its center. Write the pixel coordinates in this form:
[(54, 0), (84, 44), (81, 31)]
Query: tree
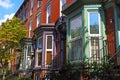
[(11, 32)]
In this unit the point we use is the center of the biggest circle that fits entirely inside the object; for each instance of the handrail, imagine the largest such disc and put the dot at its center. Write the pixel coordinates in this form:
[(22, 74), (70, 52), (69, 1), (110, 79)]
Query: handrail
[(117, 52)]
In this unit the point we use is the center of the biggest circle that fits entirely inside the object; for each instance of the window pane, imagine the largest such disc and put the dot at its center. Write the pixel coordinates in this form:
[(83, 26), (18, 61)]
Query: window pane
[(40, 42), (29, 50), (32, 4), (49, 42), (39, 58), (38, 20), (48, 14), (49, 58), (94, 23), (76, 26), (76, 50), (30, 30)]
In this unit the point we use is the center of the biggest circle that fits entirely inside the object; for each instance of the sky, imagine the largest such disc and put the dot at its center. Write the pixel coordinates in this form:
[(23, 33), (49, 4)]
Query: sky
[(8, 8)]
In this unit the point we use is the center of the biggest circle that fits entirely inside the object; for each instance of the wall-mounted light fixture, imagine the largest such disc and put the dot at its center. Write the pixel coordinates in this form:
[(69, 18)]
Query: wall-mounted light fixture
[(111, 20)]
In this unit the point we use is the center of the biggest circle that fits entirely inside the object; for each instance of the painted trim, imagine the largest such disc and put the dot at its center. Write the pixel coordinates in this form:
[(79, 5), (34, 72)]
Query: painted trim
[(84, 10), (45, 47), (94, 35)]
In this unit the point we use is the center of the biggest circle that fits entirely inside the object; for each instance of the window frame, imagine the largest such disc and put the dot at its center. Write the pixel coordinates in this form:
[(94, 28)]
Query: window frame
[(48, 13), (39, 3), (30, 29), (38, 22), (75, 39), (49, 50), (31, 7), (39, 51), (95, 35)]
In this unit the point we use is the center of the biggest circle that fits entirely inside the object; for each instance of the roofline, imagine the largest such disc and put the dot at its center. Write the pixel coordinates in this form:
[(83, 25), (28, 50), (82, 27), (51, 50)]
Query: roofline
[(21, 7)]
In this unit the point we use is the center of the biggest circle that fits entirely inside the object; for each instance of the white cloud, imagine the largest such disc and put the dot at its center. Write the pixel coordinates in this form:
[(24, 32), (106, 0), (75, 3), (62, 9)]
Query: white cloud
[(6, 3), (7, 16)]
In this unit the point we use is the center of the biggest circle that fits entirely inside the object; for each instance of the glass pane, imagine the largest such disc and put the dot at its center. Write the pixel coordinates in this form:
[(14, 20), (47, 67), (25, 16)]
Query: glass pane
[(38, 20), (95, 48), (94, 23), (76, 50), (39, 58), (29, 50), (49, 42), (49, 58), (40, 43), (76, 26)]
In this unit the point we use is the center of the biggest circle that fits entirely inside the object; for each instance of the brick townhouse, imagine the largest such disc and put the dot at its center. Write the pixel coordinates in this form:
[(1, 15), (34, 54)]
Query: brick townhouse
[(41, 50), (83, 31)]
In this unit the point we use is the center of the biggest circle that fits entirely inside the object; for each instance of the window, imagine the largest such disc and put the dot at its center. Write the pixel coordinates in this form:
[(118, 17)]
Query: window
[(30, 29), (27, 53), (48, 14), (62, 5), (39, 51), (40, 42), (39, 58), (39, 3), (94, 23), (49, 49), (38, 20), (29, 50), (32, 4), (118, 18), (76, 40), (94, 34), (31, 8), (28, 61), (26, 13)]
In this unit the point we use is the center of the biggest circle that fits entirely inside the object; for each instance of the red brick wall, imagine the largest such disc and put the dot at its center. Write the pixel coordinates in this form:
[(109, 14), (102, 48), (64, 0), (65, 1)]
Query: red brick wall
[(55, 10), (110, 30), (69, 1), (33, 17)]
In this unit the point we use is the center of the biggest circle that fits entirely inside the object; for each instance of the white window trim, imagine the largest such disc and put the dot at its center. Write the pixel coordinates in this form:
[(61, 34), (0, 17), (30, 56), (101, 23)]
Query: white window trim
[(48, 14), (94, 35), (39, 2), (61, 5), (38, 22), (48, 50), (30, 28)]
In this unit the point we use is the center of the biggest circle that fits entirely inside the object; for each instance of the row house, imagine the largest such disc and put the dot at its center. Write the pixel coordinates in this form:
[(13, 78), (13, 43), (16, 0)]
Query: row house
[(47, 41), (68, 32), (29, 12), (93, 31), (41, 47)]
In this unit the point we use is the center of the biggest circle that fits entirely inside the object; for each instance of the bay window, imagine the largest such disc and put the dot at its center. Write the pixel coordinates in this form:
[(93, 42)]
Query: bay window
[(39, 1)]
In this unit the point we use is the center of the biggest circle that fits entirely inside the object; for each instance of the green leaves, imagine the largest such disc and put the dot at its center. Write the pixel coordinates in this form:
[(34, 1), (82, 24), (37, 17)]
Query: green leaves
[(11, 32)]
